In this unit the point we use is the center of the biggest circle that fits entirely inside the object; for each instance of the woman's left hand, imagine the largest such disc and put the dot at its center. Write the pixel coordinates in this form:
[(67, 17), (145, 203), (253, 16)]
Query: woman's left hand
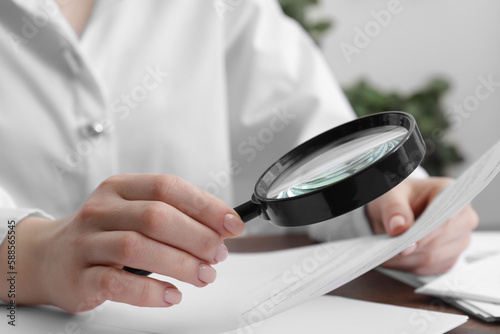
[(396, 211)]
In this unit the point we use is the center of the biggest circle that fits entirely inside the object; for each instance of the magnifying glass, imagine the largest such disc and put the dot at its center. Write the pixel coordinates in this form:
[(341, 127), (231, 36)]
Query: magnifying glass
[(336, 172)]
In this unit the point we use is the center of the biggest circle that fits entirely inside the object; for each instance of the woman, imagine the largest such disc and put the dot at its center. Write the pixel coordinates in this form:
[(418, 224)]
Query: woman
[(206, 91)]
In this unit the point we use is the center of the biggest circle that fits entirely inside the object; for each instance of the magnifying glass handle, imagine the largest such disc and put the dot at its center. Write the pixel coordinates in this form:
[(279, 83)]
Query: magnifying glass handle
[(139, 272), (247, 212)]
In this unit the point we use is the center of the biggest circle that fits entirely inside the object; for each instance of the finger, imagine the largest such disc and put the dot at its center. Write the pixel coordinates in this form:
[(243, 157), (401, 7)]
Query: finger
[(425, 191), (410, 249), (458, 226), (194, 202), (453, 230), (166, 224), (132, 249), (430, 261), (418, 193), (395, 211), (108, 283)]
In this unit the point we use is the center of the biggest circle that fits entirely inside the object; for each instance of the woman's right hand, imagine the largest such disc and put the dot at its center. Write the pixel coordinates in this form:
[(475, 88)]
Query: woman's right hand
[(159, 223)]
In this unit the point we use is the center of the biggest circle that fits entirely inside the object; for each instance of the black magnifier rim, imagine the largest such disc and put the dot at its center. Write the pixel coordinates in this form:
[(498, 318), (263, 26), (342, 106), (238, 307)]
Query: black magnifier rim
[(352, 192)]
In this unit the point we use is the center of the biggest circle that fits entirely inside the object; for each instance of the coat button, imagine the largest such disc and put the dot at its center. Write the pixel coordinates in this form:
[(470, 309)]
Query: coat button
[(93, 130)]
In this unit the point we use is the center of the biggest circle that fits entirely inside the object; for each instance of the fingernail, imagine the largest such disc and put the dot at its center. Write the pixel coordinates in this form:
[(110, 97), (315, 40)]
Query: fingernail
[(206, 273), (221, 253), (396, 223), (233, 224), (409, 250), (172, 296)]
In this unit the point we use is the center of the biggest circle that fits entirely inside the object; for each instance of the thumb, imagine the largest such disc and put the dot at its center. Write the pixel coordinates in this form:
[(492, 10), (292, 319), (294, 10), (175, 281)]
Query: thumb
[(396, 213)]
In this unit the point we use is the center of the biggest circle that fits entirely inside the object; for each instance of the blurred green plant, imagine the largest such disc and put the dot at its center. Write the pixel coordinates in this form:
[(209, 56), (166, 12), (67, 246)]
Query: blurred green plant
[(298, 9), (425, 105)]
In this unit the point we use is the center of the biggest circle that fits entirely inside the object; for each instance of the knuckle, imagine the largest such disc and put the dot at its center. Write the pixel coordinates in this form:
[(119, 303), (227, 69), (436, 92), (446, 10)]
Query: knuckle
[(164, 186), (129, 245), (108, 284), (89, 211), (111, 182), (155, 217), (433, 245), (421, 271), (199, 203), (201, 200), (427, 259)]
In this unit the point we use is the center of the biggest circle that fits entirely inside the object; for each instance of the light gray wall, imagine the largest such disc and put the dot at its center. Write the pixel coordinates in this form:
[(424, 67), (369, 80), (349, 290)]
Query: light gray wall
[(456, 39)]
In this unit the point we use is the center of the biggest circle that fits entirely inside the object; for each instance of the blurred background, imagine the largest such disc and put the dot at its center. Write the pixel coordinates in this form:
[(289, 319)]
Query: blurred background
[(438, 60)]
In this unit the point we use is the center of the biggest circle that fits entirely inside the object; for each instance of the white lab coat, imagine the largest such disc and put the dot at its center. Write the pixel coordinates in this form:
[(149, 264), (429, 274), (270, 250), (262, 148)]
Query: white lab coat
[(212, 91)]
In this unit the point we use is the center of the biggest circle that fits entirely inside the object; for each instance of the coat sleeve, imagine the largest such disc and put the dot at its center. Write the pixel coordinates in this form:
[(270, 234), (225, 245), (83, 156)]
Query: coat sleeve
[(10, 214), (281, 92)]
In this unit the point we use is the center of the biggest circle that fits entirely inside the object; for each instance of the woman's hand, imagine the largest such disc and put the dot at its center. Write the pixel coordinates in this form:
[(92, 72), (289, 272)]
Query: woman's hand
[(397, 210), (158, 223)]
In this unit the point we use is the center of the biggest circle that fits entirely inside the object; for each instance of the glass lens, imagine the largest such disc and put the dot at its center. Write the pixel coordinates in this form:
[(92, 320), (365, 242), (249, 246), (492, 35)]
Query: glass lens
[(337, 161)]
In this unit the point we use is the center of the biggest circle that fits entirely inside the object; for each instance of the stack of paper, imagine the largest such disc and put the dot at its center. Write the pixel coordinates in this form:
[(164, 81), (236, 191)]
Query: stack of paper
[(473, 285), (478, 281)]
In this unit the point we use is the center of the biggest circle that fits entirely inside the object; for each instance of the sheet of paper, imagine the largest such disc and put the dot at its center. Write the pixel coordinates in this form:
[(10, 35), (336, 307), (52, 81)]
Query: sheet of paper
[(485, 311), (479, 281), (326, 314), (263, 286), (48, 320), (483, 245), (333, 314)]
